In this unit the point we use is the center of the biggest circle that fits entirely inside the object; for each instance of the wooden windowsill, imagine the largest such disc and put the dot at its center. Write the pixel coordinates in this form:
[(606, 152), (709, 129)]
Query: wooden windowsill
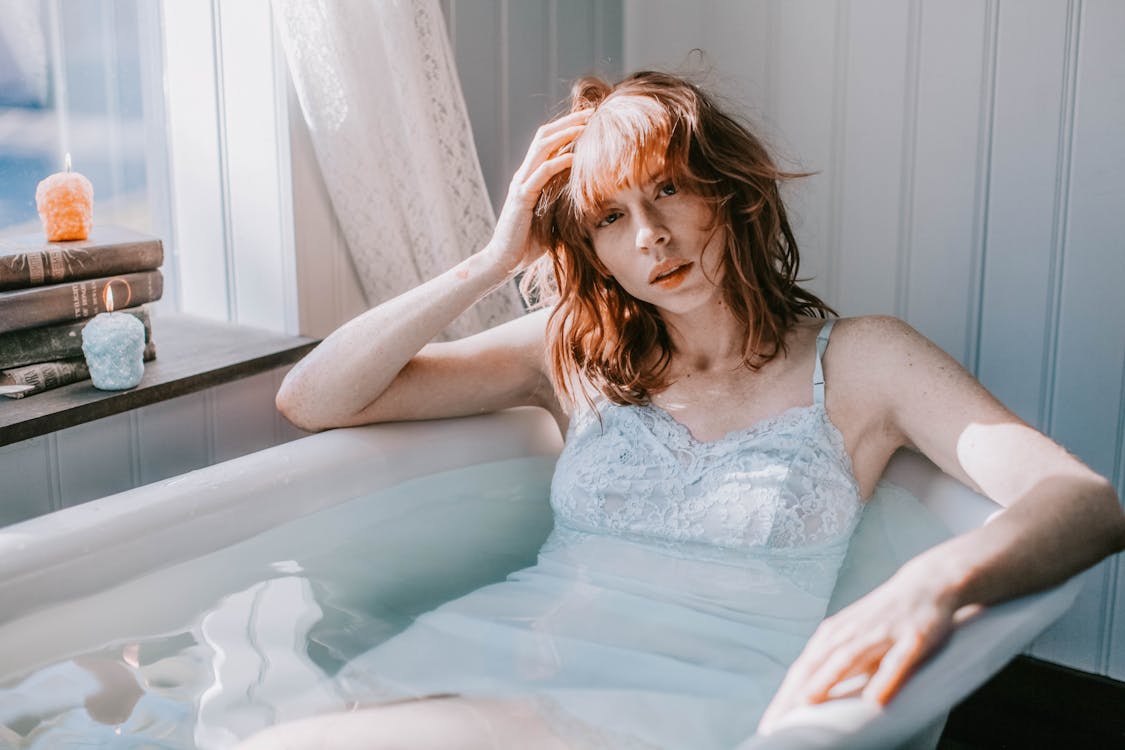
[(191, 354)]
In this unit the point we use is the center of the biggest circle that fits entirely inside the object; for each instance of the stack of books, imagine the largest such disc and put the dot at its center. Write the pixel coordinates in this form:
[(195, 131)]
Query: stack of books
[(50, 290)]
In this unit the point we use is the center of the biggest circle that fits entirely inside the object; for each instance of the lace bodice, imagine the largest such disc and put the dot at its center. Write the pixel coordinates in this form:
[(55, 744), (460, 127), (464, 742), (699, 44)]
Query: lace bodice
[(781, 490)]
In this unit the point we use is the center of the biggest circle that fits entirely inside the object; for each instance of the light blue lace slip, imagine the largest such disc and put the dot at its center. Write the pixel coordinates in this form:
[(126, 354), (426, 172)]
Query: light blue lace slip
[(780, 490)]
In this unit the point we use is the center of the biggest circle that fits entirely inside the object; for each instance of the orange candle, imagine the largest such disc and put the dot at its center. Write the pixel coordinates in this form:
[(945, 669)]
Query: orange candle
[(65, 201)]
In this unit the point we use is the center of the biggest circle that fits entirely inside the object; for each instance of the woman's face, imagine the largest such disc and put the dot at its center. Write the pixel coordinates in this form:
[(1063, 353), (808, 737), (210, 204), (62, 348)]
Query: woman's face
[(657, 242)]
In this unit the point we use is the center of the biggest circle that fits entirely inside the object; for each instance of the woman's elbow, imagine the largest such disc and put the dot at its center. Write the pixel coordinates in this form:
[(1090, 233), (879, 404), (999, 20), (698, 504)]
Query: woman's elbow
[(289, 404)]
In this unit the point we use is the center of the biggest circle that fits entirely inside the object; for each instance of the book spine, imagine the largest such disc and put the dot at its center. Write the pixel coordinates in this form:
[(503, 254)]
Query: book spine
[(49, 343), (59, 303), (44, 376), (51, 265)]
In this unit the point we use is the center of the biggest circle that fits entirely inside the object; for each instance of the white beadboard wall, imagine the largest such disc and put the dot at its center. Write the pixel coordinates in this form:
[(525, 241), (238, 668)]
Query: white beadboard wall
[(145, 445), (970, 161)]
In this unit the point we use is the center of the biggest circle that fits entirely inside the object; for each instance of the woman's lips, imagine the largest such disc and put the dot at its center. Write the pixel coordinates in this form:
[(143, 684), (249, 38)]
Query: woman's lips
[(670, 275)]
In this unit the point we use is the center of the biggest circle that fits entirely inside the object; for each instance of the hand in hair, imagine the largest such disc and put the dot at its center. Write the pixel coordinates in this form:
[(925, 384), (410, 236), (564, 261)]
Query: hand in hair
[(512, 245)]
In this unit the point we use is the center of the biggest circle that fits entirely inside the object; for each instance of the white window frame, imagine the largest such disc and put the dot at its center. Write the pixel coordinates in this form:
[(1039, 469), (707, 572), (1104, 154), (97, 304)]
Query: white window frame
[(228, 138)]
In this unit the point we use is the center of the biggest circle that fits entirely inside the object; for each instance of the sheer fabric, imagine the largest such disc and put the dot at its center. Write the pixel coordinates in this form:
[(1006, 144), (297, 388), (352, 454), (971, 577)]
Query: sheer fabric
[(379, 90)]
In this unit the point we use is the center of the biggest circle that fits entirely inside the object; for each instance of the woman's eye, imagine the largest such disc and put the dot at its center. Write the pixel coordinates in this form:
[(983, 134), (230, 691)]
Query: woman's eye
[(609, 219), (668, 189)]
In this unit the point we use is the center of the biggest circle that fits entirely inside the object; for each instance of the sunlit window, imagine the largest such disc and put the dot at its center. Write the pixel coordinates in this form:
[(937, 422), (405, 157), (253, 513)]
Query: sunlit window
[(176, 112), (83, 78)]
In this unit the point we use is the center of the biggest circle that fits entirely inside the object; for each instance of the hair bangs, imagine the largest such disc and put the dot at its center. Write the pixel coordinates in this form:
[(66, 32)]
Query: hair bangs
[(628, 141)]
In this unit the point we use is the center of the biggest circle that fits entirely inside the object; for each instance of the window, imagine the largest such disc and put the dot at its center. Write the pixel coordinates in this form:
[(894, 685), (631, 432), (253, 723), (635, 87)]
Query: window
[(176, 111), (83, 78)]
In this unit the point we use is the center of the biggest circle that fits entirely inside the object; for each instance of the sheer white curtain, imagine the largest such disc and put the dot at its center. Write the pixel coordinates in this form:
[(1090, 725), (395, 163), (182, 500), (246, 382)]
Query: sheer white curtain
[(379, 91)]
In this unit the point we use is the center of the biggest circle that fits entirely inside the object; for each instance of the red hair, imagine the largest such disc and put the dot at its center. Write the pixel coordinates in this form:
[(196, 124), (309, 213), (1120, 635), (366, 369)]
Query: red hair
[(648, 124)]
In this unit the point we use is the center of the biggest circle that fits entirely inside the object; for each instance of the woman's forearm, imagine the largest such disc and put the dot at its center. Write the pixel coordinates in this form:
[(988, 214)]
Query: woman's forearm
[(1061, 527), (350, 369)]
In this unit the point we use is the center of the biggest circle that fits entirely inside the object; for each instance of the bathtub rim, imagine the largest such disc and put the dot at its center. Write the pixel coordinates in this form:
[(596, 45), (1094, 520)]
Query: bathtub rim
[(235, 499)]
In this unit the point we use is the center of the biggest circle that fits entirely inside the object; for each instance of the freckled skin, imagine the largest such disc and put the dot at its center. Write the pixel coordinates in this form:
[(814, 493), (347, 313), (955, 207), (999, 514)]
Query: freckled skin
[(642, 226)]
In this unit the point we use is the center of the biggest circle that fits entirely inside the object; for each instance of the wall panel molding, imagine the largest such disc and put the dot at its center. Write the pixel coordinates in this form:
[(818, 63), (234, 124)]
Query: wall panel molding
[(983, 186), (23, 466), (802, 80), (837, 148), (136, 473), (1115, 648), (94, 459), (872, 170), (1022, 201), (529, 80), (941, 260), (909, 158), (175, 436), (54, 475), (1060, 216), (1078, 638)]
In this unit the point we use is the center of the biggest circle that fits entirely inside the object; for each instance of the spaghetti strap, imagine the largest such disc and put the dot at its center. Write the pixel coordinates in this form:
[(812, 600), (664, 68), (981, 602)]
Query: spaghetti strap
[(818, 373)]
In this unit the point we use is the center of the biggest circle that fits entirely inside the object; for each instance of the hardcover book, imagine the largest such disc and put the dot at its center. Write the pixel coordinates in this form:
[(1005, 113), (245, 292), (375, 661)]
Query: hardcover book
[(44, 376), (27, 260), (59, 303), (49, 343)]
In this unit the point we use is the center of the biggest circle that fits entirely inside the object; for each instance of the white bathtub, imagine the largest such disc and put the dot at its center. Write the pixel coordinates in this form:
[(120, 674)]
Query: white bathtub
[(83, 554)]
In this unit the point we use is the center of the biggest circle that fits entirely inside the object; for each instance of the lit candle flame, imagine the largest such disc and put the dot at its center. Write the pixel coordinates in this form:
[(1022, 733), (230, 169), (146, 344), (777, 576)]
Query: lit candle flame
[(109, 298), (67, 161)]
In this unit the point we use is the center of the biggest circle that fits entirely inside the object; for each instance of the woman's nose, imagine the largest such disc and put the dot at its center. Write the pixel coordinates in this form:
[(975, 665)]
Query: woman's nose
[(651, 232)]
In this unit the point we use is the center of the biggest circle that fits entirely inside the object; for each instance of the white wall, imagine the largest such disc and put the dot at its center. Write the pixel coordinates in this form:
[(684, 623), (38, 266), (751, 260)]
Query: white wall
[(970, 180)]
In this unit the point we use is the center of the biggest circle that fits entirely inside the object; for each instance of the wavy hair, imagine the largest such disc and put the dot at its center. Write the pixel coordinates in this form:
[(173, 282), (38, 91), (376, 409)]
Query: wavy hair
[(654, 123)]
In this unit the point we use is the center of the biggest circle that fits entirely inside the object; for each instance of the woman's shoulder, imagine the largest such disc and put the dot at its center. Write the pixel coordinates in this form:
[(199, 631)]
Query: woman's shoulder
[(878, 356), (856, 335), (874, 335), (875, 325), (867, 353), (878, 324)]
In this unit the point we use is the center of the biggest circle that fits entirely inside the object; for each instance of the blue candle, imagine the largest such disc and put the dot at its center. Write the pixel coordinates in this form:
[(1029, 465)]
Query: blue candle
[(114, 345)]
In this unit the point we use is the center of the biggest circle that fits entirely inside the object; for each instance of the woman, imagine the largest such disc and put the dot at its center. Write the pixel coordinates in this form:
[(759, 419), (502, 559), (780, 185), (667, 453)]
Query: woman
[(718, 450)]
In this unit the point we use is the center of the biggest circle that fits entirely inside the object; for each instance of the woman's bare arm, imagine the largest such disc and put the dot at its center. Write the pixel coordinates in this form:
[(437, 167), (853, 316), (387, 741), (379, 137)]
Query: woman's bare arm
[(374, 368), (1060, 517), (341, 381)]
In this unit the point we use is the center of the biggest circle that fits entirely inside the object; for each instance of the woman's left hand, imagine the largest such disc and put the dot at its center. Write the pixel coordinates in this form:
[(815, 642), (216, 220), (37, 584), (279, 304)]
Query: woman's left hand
[(883, 636)]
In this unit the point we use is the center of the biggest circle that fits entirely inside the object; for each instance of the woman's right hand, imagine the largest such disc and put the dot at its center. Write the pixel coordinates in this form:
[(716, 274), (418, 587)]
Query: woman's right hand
[(493, 370), (512, 246)]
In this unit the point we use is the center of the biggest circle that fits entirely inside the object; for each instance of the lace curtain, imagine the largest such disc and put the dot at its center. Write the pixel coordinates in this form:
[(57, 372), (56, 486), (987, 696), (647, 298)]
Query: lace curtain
[(379, 90)]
